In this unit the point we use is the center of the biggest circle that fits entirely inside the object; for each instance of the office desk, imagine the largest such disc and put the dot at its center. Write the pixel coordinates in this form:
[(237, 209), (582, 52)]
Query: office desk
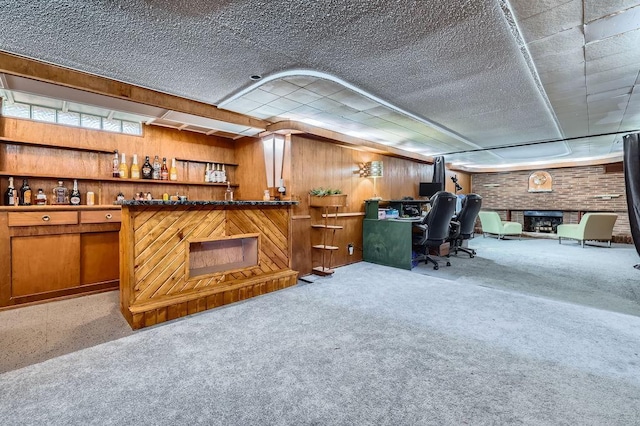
[(387, 241)]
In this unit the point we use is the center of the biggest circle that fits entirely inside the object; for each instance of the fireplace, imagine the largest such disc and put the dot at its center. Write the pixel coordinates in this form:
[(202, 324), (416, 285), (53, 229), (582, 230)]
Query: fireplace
[(541, 220)]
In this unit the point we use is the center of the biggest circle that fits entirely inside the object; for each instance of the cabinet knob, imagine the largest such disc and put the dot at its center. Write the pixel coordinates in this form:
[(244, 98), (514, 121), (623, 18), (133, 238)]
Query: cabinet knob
[(46, 218), (108, 216)]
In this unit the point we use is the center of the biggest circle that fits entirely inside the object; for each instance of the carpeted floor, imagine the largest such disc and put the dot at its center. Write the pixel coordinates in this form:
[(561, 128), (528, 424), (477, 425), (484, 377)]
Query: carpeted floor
[(369, 345), (595, 275)]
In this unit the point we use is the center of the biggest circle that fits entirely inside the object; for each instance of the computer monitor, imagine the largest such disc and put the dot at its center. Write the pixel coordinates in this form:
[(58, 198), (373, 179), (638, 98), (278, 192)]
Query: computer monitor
[(427, 189)]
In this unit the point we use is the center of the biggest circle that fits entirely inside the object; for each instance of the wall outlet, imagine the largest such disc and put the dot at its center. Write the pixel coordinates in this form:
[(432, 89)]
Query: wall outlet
[(350, 249)]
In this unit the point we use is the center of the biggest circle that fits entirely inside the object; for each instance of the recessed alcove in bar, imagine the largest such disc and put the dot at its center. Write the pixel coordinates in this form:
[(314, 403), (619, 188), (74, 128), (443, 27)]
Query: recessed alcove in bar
[(208, 257)]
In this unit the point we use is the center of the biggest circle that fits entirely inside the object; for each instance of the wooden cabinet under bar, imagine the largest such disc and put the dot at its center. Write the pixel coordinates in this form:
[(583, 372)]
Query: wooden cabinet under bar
[(49, 252), (179, 258)]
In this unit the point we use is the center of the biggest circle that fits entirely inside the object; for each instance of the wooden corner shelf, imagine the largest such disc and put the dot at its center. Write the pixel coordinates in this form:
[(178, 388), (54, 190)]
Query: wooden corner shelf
[(333, 202)]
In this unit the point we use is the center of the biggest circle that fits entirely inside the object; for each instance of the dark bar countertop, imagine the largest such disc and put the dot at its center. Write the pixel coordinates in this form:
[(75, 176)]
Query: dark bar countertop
[(206, 203)]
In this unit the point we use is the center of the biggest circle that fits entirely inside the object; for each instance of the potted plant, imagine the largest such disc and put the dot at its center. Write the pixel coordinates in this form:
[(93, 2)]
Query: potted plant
[(327, 197)]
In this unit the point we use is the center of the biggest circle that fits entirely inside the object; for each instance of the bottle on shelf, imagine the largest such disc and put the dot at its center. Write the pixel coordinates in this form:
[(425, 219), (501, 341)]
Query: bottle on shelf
[(10, 194), (74, 198), (60, 194), (123, 169), (41, 197), (173, 173), (135, 169), (156, 168), (164, 171), (116, 164), (228, 194), (207, 174), (147, 170), (216, 173), (25, 193), (223, 175)]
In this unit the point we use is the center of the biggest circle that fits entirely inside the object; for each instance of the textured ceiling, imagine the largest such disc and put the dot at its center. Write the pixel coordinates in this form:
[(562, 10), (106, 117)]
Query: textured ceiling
[(428, 76)]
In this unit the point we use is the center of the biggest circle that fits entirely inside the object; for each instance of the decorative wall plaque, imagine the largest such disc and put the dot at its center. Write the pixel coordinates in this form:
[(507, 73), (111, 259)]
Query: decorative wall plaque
[(540, 181)]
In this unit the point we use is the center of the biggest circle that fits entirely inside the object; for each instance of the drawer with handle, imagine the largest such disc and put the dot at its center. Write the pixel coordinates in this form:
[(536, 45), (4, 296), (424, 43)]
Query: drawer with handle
[(42, 218), (100, 216)]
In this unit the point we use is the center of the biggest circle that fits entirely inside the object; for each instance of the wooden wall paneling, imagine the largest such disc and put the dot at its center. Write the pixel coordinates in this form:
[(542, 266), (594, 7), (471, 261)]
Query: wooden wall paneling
[(250, 173), (301, 241), (321, 163), (164, 142)]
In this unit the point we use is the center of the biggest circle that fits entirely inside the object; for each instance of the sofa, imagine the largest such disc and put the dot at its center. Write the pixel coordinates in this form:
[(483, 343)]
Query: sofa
[(492, 224), (592, 227)]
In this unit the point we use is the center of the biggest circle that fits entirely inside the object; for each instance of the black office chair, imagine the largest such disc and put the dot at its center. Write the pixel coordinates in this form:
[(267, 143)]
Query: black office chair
[(464, 223), (433, 231)]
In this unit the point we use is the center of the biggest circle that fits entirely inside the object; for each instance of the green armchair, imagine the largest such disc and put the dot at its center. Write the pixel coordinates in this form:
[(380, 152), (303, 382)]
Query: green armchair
[(492, 224), (592, 227)]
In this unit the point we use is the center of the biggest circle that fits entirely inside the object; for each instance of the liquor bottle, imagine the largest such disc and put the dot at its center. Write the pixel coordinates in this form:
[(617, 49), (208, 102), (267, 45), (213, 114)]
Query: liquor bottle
[(116, 165), (41, 197), (9, 196), (228, 194), (135, 169), (25, 193), (124, 169), (207, 174), (60, 194), (215, 174), (156, 168), (164, 172), (147, 170), (74, 198), (223, 175), (173, 173)]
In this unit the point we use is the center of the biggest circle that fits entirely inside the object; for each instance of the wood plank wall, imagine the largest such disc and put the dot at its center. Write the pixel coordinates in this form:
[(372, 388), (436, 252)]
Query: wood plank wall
[(155, 140), (319, 163)]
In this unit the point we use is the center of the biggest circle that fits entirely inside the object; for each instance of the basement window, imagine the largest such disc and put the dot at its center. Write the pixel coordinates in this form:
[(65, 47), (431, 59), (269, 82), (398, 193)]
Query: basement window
[(68, 118)]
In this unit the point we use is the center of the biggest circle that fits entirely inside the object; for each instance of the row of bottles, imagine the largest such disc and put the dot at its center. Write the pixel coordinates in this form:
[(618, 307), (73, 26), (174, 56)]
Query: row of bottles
[(24, 196), (215, 173), (155, 171)]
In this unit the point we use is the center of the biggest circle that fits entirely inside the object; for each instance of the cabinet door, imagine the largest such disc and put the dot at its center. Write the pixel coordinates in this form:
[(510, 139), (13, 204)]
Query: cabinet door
[(99, 258), (44, 263)]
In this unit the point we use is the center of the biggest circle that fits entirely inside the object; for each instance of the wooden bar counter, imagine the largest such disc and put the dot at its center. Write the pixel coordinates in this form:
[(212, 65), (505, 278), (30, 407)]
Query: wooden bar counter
[(182, 257)]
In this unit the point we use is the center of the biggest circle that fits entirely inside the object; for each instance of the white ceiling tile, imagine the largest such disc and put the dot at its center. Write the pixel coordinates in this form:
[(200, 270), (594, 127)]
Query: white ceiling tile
[(623, 43), (301, 80), (260, 96), (303, 96), (325, 104), (525, 8), (284, 104), (242, 105), (552, 21), (594, 9), (324, 87), (279, 87)]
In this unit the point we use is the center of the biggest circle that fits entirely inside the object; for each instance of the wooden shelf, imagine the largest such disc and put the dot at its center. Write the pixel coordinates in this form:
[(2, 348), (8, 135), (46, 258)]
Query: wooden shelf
[(205, 162), (112, 179), (327, 226), (325, 247), (52, 146)]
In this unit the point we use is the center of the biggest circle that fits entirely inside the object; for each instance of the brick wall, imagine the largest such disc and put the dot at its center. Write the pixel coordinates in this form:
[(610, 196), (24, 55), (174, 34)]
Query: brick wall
[(574, 191)]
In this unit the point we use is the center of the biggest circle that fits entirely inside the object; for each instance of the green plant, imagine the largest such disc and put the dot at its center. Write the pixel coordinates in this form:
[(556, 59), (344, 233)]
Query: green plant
[(323, 192)]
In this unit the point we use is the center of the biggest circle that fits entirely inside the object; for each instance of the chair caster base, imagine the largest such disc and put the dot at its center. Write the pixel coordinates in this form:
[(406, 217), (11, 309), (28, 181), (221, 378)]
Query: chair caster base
[(448, 263), (436, 267)]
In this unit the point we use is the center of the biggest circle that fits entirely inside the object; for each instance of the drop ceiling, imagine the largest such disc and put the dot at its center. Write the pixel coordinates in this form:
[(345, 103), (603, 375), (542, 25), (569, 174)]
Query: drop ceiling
[(464, 79)]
